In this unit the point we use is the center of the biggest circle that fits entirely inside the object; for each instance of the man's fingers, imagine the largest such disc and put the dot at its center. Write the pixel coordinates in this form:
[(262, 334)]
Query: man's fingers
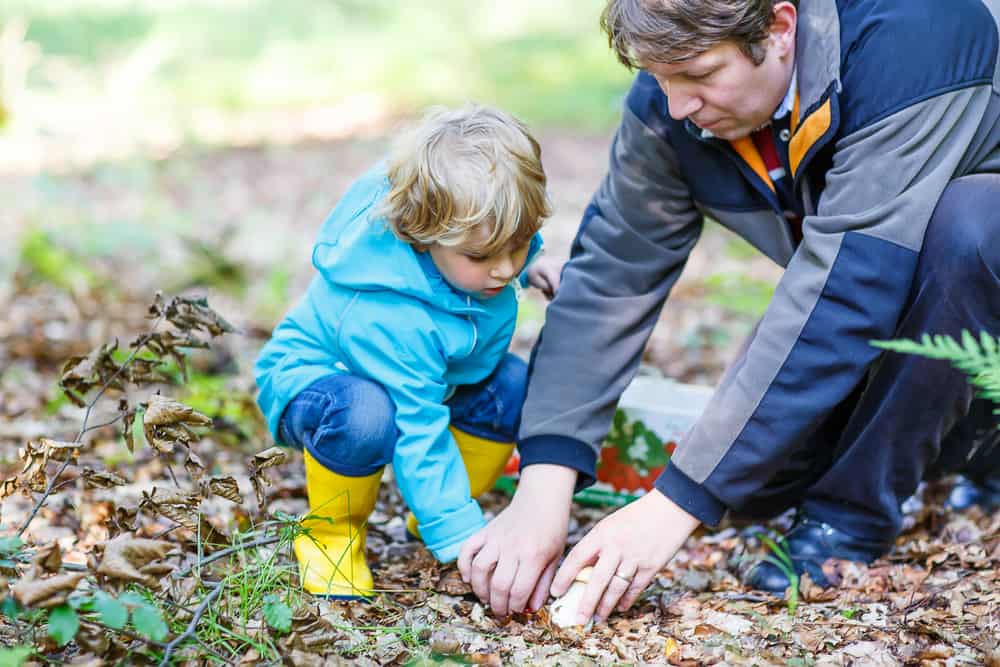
[(579, 556), (500, 585), (541, 593), (600, 578), (468, 552), (618, 585), (482, 570), (639, 584)]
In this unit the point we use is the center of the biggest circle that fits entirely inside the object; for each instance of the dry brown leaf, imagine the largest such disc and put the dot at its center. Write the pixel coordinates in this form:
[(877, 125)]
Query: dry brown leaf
[(56, 450), (165, 423), (182, 508), (47, 559), (92, 637), (266, 459), (451, 583), (8, 487), (306, 659), (46, 593), (193, 465), (129, 558), (444, 642), (225, 487), (192, 314), (811, 592), (269, 457), (101, 479), (161, 411)]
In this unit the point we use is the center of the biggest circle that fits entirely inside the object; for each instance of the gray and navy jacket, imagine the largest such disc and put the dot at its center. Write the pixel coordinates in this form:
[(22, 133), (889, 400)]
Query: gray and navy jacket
[(895, 100)]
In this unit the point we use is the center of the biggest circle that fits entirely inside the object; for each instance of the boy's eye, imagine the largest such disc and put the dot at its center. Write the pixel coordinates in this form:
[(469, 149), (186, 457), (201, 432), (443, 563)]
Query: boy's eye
[(478, 259)]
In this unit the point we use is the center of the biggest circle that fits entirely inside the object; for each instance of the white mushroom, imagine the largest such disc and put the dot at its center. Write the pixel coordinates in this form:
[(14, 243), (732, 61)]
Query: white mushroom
[(564, 610)]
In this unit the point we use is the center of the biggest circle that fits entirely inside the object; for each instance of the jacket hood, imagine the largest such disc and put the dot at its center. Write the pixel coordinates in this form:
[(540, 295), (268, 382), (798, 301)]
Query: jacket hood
[(356, 249)]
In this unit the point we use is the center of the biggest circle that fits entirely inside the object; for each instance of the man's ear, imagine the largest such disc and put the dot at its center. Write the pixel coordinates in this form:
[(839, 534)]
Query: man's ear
[(783, 23)]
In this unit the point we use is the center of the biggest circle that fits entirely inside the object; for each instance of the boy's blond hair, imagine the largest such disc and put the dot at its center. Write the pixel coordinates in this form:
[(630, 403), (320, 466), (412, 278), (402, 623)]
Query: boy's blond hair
[(462, 168)]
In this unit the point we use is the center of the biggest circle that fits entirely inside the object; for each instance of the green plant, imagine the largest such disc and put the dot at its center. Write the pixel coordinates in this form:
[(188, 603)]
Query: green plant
[(781, 559), (978, 358)]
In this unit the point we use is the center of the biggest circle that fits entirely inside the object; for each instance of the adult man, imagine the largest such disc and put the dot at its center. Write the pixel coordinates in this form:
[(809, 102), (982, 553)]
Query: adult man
[(851, 142)]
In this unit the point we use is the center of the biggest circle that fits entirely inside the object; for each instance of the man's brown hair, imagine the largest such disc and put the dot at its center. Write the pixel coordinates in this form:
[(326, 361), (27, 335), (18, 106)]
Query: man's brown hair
[(671, 31)]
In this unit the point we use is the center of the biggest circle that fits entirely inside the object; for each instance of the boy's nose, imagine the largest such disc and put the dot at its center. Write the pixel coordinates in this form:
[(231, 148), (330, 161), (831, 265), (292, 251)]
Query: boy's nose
[(503, 269)]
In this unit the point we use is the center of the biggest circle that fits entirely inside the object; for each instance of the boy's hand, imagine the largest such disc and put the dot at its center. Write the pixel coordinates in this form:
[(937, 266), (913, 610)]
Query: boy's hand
[(510, 563), (627, 549), (544, 274)]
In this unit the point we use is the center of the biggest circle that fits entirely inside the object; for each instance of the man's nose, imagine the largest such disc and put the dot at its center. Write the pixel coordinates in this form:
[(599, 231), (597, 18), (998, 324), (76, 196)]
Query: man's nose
[(681, 103)]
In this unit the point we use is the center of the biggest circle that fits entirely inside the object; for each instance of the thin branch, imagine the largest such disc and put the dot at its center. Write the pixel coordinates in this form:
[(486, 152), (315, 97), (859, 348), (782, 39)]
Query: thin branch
[(264, 541), (198, 613), (107, 423), (86, 417)]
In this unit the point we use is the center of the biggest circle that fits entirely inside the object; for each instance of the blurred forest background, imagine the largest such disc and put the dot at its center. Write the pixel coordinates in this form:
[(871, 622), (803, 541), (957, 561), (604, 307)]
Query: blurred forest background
[(194, 147), (204, 141)]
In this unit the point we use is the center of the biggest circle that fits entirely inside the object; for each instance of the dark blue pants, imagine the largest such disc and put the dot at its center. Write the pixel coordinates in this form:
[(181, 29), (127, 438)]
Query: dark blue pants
[(348, 423), (911, 418)]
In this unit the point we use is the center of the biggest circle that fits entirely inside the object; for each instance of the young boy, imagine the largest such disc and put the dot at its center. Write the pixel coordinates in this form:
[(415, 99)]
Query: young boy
[(403, 334)]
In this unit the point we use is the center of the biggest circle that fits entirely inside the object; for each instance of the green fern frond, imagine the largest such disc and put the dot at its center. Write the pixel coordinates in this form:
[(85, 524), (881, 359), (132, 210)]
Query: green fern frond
[(977, 358)]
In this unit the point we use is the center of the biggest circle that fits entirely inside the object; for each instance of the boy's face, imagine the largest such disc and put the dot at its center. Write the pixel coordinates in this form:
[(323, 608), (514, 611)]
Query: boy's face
[(482, 277), (723, 91)]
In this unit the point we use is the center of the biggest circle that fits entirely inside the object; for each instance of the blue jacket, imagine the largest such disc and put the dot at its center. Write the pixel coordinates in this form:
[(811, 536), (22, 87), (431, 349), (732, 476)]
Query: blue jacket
[(382, 311)]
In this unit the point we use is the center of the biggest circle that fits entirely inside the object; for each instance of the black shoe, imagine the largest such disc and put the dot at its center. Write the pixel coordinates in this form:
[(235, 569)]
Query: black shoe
[(966, 494), (809, 544)]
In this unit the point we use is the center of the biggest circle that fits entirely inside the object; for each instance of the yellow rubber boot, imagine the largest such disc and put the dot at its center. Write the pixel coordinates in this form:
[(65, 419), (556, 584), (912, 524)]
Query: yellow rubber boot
[(331, 550), (484, 462)]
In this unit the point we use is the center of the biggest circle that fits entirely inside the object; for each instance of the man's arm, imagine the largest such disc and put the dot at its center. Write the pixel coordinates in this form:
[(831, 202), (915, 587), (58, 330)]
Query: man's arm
[(632, 244)]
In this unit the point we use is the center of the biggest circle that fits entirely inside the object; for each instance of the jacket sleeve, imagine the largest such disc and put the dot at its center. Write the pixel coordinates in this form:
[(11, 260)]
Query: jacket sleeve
[(633, 241), (846, 285), (426, 461)]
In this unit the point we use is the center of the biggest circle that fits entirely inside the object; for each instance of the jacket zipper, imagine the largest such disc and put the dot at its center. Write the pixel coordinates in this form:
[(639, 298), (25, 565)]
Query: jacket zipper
[(475, 331)]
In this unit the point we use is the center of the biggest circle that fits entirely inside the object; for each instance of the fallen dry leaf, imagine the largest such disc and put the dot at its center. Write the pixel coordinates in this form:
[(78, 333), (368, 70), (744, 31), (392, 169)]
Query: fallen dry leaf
[(101, 479), (226, 487), (129, 558), (47, 559), (46, 593)]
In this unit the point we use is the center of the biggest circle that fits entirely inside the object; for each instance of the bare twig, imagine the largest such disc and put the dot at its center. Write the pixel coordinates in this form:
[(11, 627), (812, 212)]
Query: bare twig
[(198, 613), (264, 541), (86, 417), (107, 423)]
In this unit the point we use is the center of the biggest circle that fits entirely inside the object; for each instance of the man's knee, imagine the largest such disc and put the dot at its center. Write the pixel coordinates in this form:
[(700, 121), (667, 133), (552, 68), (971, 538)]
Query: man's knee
[(958, 242)]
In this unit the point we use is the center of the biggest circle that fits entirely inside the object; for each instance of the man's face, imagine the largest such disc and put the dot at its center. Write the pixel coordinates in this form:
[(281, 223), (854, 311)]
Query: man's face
[(722, 91)]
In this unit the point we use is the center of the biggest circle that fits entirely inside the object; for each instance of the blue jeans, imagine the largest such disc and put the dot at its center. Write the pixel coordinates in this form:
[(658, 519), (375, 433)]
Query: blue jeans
[(347, 423)]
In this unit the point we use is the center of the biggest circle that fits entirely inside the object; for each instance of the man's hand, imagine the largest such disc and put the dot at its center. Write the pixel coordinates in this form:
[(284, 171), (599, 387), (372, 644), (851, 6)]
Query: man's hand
[(510, 563), (544, 274), (627, 549)]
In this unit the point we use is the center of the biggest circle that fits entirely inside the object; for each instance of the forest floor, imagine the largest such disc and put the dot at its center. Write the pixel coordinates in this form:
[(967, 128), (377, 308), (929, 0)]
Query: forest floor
[(86, 249)]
